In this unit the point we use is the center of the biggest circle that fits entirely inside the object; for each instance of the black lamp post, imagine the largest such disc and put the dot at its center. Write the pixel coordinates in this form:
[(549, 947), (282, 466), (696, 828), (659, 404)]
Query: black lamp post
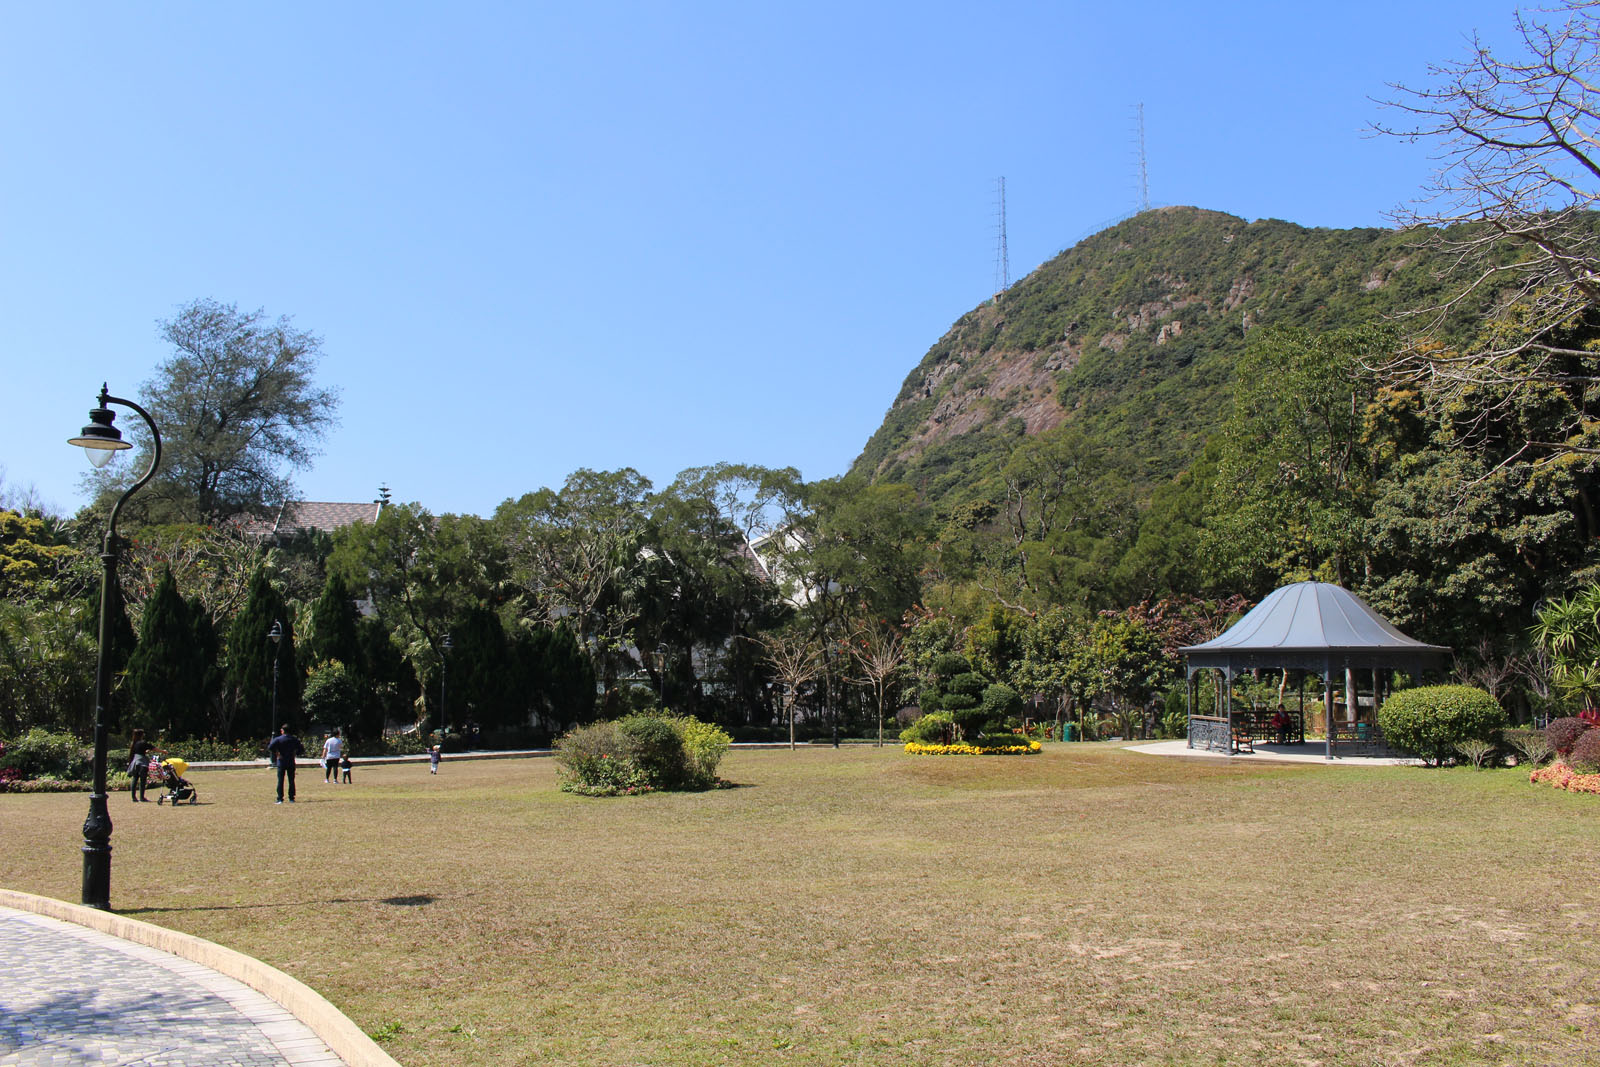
[(101, 440), (661, 675), (275, 635), (444, 661)]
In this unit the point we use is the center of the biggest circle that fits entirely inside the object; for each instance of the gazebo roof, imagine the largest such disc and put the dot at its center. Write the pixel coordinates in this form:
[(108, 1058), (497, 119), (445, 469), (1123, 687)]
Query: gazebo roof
[(1313, 626)]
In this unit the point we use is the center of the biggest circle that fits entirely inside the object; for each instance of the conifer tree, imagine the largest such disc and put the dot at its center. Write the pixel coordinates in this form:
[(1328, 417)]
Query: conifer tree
[(333, 628), (169, 670), (251, 655)]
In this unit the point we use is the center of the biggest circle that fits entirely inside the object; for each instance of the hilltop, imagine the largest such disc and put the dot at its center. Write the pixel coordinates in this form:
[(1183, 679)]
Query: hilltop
[(1133, 335)]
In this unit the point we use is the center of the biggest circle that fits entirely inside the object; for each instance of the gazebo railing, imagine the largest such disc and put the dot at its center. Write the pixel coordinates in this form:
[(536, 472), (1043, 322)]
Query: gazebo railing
[(1210, 732)]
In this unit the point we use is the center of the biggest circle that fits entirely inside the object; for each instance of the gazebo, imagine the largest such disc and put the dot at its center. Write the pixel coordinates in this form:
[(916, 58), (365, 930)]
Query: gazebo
[(1312, 628)]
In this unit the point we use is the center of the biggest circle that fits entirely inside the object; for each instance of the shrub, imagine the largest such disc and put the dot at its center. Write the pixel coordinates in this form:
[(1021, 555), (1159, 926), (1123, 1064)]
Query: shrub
[(1585, 755), (1530, 745), (1431, 721), (42, 754), (655, 747), (704, 745), (1476, 751), (930, 729), (331, 696), (1001, 703), (639, 754), (1564, 733)]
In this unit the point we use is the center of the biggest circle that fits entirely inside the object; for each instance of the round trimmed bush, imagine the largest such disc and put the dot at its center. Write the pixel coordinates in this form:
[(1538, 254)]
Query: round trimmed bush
[(1564, 733), (1585, 755), (931, 729), (1431, 720)]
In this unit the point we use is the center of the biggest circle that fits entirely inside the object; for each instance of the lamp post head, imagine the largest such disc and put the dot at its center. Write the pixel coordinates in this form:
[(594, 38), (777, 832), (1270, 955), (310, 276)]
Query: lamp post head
[(100, 439), (276, 633), (445, 643)]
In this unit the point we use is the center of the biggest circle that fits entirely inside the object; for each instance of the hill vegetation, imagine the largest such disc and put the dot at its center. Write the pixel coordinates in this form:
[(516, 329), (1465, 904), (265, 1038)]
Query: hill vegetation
[(1133, 336)]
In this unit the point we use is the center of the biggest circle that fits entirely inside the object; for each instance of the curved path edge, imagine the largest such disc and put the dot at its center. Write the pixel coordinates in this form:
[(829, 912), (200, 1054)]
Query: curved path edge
[(344, 1037)]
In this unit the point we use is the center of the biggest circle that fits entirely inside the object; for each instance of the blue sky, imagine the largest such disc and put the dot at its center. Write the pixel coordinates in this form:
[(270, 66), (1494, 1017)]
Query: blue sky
[(536, 237)]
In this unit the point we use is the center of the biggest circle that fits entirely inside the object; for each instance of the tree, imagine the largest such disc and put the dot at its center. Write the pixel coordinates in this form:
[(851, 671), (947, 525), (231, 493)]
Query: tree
[(1294, 474), (334, 623), (421, 572), (34, 556), (1047, 665), (880, 656), (170, 672), (795, 662), (390, 689), (251, 655), (1568, 631), (239, 412), (1516, 137), (1122, 659)]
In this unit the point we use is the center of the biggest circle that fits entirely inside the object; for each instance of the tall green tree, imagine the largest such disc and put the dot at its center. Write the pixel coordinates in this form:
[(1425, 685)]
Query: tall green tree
[(1294, 475), (251, 655), (334, 622), (421, 572), (239, 411), (170, 674)]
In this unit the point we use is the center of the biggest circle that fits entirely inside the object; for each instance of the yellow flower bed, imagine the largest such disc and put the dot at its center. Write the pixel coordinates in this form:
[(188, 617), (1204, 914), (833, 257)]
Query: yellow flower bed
[(962, 749)]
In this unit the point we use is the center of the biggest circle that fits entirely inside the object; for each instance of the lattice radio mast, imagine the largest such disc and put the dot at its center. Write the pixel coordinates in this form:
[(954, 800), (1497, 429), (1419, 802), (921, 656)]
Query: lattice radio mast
[(1144, 173), (1002, 259)]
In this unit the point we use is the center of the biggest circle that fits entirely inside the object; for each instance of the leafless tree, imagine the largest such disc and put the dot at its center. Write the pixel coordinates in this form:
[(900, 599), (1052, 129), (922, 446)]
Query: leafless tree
[(795, 661), (1517, 139), (879, 655), (1489, 667)]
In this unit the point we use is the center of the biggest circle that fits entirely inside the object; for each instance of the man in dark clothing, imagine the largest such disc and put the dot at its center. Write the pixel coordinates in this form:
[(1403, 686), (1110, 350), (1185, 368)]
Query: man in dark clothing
[(283, 749)]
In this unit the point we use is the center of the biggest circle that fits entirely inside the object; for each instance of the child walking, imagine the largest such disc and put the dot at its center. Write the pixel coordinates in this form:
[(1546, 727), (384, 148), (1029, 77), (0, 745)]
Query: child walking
[(433, 760), (344, 767)]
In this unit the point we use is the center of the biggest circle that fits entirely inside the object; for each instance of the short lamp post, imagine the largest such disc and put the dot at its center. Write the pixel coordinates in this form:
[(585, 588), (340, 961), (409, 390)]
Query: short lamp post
[(101, 440), (445, 646), (275, 635)]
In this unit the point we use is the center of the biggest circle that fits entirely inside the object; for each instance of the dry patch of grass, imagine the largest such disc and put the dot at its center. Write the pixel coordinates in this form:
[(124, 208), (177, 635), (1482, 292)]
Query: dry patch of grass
[(1084, 906)]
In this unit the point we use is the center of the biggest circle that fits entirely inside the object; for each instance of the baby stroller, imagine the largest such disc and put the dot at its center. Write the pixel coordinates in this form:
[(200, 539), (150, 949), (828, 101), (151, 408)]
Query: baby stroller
[(177, 786)]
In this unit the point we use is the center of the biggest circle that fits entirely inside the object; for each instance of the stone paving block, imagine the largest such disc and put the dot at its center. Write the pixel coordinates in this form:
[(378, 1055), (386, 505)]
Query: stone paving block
[(74, 996)]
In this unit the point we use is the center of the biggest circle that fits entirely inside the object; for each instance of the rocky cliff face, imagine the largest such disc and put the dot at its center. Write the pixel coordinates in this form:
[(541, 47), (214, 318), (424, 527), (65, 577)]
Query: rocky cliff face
[(1133, 332)]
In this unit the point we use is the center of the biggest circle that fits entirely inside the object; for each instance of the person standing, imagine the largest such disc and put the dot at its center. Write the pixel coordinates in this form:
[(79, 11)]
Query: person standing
[(332, 749), (433, 760), (283, 749), (139, 766)]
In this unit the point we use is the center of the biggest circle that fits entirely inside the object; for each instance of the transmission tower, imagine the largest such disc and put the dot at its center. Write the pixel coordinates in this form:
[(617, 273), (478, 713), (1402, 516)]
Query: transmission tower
[(1144, 173), (1002, 259)]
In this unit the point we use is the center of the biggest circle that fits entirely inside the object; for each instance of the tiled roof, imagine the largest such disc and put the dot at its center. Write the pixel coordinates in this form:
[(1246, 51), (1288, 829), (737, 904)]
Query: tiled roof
[(323, 515)]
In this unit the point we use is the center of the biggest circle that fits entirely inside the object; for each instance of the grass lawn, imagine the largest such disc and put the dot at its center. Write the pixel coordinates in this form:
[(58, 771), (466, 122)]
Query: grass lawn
[(1086, 906)]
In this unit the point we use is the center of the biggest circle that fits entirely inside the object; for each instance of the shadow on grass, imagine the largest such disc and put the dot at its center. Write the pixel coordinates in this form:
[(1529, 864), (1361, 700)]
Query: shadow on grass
[(416, 901)]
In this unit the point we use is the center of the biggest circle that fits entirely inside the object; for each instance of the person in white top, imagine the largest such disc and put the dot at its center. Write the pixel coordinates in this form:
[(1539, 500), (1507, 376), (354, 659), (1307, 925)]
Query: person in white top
[(332, 749)]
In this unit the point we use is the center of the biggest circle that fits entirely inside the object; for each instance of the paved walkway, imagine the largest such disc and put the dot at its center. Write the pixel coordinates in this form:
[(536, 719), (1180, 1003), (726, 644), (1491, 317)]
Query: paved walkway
[(71, 995), (1310, 752)]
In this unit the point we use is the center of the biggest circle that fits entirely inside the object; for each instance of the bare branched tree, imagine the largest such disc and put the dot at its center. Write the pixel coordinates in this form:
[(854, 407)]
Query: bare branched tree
[(879, 656), (794, 659), (1517, 140)]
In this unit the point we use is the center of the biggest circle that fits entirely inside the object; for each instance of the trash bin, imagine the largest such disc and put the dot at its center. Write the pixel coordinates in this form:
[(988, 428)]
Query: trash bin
[(1069, 731)]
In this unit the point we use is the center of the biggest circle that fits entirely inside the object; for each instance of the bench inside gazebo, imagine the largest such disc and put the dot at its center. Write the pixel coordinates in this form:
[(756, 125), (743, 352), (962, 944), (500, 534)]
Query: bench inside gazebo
[(1309, 628)]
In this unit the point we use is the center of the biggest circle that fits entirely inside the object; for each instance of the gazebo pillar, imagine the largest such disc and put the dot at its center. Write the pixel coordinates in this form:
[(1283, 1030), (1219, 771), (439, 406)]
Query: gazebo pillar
[(1327, 709)]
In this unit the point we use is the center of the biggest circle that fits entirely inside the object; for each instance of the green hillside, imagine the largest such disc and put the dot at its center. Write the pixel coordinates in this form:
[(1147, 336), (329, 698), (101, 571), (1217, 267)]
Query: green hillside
[(1133, 335)]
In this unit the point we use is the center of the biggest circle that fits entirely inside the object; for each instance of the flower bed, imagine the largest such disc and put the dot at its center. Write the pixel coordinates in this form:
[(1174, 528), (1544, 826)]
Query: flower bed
[(1560, 776), (963, 749)]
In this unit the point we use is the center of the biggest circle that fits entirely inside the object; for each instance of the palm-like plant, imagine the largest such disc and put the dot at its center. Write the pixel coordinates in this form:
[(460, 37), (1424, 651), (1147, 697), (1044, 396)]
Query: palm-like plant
[(1570, 630)]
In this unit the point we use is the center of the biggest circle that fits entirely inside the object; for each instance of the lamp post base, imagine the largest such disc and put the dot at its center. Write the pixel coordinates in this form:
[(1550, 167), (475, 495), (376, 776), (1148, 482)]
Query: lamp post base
[(97, 854)]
